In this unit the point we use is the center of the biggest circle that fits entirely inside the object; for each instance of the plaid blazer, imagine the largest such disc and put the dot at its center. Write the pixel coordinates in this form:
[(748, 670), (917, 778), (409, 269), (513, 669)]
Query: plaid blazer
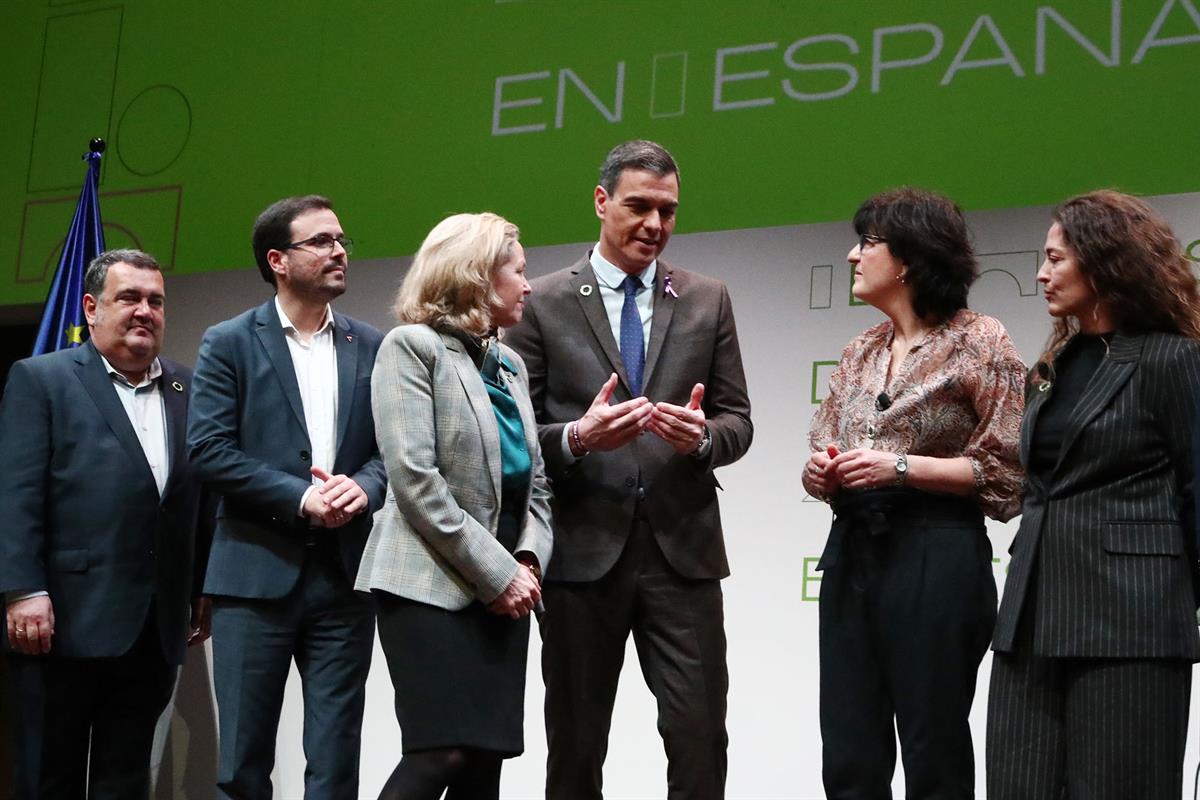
[(434, 540)]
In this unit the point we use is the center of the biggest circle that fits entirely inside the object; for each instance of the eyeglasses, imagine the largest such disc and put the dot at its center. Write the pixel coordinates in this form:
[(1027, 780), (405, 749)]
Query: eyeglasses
[(866, 240), (322, 242)]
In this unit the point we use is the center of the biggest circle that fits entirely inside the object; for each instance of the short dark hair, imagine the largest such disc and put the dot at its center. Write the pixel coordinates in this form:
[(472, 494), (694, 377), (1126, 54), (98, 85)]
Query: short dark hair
[(927, 232), (273, 228), (97, 270), (636, 154)]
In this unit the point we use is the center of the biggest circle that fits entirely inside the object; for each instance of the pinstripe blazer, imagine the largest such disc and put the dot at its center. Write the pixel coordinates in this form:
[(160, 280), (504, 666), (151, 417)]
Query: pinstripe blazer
[(1106, 548), (434, 540)]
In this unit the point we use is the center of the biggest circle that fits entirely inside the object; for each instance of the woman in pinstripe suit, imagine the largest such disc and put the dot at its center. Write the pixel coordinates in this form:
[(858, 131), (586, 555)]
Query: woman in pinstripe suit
[(455, 555), (1096, 632)]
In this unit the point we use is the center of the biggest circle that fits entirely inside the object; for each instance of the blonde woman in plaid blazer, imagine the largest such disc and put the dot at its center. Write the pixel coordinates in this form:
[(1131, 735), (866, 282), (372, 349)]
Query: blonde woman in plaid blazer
[(455, 556)]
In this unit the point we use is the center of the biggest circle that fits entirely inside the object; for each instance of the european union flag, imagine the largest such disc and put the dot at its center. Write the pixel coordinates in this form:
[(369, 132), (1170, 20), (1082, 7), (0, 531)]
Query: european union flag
[(62, 323)]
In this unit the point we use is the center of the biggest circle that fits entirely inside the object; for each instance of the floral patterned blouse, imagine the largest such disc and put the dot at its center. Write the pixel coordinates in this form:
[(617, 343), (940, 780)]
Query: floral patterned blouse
[(958, 392)]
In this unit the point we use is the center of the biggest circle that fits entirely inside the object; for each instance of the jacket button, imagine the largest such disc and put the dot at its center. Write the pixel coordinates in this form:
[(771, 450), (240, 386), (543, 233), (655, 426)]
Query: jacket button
[(304, 455), (630, 482)]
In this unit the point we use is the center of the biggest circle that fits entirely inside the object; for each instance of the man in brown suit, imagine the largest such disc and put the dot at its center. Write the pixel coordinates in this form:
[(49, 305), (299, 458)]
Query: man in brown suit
[(638, 542)]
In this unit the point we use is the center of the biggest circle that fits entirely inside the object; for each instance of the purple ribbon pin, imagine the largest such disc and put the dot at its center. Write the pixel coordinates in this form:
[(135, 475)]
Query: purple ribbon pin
[(668, 288)]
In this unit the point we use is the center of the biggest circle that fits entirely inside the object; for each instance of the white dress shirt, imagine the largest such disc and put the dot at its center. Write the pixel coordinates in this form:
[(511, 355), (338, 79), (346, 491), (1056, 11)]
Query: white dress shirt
[(315, 362), (147, 414)]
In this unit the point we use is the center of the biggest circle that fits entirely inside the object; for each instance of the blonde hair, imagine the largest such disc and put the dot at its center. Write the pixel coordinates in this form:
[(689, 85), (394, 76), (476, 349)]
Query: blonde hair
[(450, 281)]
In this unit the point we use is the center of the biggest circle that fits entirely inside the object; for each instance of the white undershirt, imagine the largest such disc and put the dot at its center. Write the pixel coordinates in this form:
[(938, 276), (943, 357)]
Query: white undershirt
[(315, 363)]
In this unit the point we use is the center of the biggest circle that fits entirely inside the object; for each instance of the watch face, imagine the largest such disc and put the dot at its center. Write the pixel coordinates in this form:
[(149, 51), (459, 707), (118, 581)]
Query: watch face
[(902, 466)]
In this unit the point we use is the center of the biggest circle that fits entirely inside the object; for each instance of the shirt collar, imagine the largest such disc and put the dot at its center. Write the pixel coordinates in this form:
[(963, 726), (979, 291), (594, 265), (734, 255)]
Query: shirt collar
[(287, 323), (152, 374), (611, 276)]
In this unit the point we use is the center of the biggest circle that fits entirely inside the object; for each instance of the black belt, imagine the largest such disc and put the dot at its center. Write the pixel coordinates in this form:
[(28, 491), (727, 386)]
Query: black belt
[(869, 515)]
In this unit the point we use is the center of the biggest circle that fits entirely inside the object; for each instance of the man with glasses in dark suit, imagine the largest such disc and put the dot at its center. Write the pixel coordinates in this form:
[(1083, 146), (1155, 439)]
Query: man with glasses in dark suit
[(281, 426)]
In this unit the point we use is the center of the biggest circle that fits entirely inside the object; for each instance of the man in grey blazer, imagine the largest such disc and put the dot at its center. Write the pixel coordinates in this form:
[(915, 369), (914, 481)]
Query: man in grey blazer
[(636, 377), (101, 511), (281, 426)]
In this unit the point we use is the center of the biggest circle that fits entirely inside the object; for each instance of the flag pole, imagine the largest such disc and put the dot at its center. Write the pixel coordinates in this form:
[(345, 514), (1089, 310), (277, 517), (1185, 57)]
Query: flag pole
[(62, 324)]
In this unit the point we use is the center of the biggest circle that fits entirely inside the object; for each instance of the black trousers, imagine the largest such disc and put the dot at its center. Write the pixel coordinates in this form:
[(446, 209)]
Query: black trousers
[(84, 727), (1094, 728), (907, 606), (679, 631)]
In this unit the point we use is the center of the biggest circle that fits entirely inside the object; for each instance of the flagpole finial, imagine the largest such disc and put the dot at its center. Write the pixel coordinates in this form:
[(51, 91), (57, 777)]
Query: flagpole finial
[(97, 145)]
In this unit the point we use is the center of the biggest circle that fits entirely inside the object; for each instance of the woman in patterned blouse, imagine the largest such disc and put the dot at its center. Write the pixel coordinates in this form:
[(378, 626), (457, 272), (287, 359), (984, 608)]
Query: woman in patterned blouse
[(914, 444)]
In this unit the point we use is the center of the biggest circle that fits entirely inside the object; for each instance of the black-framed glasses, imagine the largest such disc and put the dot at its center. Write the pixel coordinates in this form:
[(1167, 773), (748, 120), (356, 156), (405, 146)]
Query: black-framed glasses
[(866, 240), (322, 242)]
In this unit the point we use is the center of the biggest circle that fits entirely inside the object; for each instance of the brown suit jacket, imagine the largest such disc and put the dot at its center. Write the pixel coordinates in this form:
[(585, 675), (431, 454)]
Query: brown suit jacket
[(568, 347)]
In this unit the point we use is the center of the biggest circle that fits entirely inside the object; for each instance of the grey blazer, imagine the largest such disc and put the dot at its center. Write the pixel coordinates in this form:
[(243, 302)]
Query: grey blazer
[(434, 540), (1106, 551)]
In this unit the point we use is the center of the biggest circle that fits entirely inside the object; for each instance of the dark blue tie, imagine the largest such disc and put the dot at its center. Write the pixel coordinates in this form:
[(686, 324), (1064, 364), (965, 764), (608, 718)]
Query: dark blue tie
[(633, 353)]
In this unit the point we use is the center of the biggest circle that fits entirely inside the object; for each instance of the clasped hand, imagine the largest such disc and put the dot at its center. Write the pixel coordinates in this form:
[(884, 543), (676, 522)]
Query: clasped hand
[(860, 468), (520, 596), (606, 427), (336, 501)]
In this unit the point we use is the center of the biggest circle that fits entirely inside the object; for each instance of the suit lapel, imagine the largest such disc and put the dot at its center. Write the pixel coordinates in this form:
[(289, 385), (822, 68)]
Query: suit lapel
[(587, 293), (1112, 374), (481, 404), (347, 369), (95, 379), (174, 395), (270, 334), (1035, 401), (660, 321)]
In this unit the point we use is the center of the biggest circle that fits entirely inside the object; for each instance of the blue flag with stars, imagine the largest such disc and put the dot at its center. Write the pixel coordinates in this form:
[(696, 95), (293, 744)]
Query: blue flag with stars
[(62, 323)]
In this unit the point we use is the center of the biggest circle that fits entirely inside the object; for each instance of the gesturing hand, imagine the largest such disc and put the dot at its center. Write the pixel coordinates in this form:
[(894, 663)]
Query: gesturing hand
[(605, 427), (682, 427)]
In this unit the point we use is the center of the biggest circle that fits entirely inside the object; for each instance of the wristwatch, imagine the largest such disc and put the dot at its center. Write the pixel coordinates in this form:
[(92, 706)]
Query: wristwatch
[(901, 468)]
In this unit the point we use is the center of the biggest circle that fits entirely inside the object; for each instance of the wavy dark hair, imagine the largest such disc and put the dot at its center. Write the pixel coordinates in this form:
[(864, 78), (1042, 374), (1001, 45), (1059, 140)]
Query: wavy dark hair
[(927, 232), (1136, 266)]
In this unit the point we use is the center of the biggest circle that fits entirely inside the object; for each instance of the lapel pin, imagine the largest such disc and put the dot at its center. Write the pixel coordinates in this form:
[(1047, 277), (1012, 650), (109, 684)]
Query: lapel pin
[(177, 386), (668, 288), (1044, 387), (586, 290), (349, 338)]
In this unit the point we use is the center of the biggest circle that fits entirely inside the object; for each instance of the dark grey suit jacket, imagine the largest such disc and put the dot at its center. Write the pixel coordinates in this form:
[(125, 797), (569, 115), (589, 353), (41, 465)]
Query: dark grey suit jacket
[(1106, 549), (569, 350), (82, 516), (248, 441)]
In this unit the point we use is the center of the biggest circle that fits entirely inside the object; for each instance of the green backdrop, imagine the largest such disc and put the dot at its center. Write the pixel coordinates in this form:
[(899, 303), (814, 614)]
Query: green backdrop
[(402, 112)]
